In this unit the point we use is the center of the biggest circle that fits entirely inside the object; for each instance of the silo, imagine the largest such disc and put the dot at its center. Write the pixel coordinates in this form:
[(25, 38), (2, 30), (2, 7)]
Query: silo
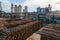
[(19, 9), (12, 8), (15, 9)]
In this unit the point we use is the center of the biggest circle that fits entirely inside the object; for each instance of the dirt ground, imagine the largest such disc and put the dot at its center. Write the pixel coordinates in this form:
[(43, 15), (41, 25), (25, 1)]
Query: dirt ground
[(35, 36)]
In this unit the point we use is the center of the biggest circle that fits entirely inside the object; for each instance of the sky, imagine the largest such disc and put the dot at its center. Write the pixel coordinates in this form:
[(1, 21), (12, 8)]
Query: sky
[(32, 4)]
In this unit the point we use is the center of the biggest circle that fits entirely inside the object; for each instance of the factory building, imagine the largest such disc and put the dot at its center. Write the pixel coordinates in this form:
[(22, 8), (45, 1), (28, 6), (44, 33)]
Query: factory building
[(16, 9), (25, 10), (38, 9), (0, 6), (19, 9), (42, 12), (12, 8), (16, 12), (49, 7)]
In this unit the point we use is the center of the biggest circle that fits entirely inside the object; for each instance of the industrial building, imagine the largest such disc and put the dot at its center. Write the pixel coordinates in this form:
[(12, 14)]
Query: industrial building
[(16, 12), (25, 10), (16, 9), (41, 13)]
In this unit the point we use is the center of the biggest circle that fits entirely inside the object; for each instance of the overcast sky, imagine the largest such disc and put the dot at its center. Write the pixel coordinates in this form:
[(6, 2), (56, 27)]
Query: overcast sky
[(32, 4)]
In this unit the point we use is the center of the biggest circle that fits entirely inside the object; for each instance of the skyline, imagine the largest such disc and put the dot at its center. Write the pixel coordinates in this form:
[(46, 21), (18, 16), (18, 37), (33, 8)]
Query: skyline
[(32, 4)]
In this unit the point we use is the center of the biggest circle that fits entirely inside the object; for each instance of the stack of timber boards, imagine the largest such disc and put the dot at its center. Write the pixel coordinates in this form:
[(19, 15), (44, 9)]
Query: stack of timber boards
[(20, 32), (12, 23), (51, 31)]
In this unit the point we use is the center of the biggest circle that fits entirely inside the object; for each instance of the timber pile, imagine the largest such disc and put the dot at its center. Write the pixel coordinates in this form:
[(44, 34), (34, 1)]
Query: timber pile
[(12, 23), (51, 32), (20, 32)]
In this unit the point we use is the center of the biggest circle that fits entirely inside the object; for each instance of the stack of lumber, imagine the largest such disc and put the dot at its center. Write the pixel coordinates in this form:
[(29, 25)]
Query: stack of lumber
[(18, 29), (20, 32), (12, 23), (51, 31)]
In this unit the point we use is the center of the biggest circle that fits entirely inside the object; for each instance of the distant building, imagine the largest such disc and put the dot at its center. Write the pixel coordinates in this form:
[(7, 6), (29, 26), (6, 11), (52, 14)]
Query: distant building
[(16, 12), (12, 8), (1, 11), (49, 7), (0, 6), (19, 9), (42, 12), (38, 10), (25, 9), (15, 9), (55, 13), (31, 15)]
